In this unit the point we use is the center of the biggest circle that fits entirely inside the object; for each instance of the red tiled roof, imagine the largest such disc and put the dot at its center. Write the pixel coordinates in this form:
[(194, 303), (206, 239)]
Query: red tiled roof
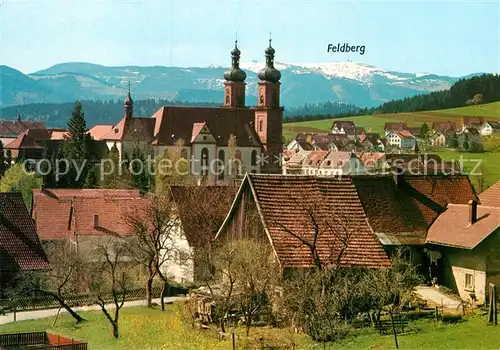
[(405, 134), (314, 158), (63, 213), (176, 122), (99, 131), (472, 121), (286, 200), (19, 242), (16, 127), (395, 126), (452, 228), (444, 127), (491, 196), (405, 212), (35, 138)]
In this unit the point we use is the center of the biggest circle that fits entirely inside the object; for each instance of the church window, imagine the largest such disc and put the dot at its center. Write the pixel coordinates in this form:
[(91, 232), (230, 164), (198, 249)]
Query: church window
[(261, 99)]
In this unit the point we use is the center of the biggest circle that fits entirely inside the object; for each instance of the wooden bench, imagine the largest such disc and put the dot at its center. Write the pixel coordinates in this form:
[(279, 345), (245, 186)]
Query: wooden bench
[(385, 326)]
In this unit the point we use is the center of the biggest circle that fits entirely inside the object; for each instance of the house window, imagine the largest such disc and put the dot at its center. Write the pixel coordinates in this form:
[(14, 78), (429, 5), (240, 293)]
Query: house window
[(469, 281), (253, 160), (204, 157), (204, 138), (221, 164)]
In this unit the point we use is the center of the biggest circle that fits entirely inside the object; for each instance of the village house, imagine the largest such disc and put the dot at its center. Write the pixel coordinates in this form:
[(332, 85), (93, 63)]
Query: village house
[(343, 127), (269, 207), (90, 217), (20, 248), (467, 237), (299, 145), (372, 142), (471, 122), (444, 127), (490, 128), (445, 138), (402, 139), (204, 133), (34, 143), (323, 163), (11, 129)]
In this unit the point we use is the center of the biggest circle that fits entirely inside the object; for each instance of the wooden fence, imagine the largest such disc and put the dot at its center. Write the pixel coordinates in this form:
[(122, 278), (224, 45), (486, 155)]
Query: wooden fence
[(46, 301), (40, 340)]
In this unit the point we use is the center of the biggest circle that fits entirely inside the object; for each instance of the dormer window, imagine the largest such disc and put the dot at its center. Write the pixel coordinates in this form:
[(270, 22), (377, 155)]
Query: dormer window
[(96, 221)]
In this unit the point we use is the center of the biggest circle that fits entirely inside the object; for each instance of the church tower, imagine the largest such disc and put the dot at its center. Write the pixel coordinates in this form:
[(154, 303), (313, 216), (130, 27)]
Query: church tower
[(129, 105), (268, 113), (234, 90)]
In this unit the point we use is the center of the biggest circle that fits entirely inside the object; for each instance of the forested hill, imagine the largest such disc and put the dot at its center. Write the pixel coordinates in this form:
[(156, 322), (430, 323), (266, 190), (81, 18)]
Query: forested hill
[(485, 87), (474, 90), (96, 112)]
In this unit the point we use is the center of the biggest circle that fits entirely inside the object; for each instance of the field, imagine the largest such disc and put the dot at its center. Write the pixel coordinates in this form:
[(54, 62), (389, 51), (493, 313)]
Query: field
[(376, 122), (143, 328)]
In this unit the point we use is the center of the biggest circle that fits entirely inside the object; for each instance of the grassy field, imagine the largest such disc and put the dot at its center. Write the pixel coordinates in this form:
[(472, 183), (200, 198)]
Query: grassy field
[(376, 122), (143, 328)]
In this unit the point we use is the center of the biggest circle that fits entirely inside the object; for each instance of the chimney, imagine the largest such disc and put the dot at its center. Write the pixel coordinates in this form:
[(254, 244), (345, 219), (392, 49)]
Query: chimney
[(472, 211), (96, 221)]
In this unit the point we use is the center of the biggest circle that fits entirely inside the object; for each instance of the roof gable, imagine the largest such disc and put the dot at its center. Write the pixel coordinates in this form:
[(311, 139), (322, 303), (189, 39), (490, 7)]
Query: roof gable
[(337, 210)]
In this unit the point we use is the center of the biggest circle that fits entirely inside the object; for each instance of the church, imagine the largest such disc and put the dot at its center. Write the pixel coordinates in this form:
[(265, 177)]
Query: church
[(207, 135)]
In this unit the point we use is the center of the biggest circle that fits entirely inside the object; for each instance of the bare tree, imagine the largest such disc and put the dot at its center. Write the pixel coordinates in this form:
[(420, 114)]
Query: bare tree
[(245, 279), (65, 277), (62, 281), (155, 230), (172, 167), (112, 278)]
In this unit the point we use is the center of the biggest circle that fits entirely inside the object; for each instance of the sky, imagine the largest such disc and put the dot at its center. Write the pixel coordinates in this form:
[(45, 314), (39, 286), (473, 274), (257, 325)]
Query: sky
[(448, 38)]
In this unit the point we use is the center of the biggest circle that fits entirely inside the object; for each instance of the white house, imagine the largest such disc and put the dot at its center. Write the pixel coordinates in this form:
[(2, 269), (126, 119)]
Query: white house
[(402, 139), (489, 128)]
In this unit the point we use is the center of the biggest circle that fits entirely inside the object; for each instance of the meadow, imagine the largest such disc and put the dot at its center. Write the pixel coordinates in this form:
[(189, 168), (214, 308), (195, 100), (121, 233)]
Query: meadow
[(143, 328), (376, 122)]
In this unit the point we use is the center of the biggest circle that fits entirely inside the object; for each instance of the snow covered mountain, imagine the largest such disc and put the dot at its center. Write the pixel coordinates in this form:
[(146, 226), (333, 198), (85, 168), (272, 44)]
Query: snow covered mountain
[(350, 82)]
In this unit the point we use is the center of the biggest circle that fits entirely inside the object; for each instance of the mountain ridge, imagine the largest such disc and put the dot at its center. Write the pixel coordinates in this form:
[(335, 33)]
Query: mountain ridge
[(354, 83)]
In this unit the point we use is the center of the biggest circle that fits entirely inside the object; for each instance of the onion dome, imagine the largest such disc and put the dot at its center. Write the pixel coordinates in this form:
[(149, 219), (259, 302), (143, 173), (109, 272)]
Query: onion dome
[(235, 74), (128, 99), (269, 73)]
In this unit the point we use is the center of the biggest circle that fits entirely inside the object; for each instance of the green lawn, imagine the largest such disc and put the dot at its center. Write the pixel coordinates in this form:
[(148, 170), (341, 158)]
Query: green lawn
[(376, 122), (143, 328), (490, 165)]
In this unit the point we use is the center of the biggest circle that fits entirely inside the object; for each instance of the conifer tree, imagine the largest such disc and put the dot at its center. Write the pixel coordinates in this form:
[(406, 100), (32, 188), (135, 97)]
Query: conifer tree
[(77, 147), (114, 176)]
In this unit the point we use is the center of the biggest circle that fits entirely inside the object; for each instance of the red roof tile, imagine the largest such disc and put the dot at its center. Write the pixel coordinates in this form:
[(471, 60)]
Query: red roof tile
[(19, 241), (99, 131), (452, 228), (491, 196), (63, 213), (395, 126), (405, 212), (285, 201), (16, 127)]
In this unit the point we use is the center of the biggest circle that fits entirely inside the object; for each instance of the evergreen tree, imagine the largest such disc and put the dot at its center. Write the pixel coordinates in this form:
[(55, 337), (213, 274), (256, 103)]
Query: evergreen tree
[(113, 176), (424, 131), (140, 176), (77, 148)]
